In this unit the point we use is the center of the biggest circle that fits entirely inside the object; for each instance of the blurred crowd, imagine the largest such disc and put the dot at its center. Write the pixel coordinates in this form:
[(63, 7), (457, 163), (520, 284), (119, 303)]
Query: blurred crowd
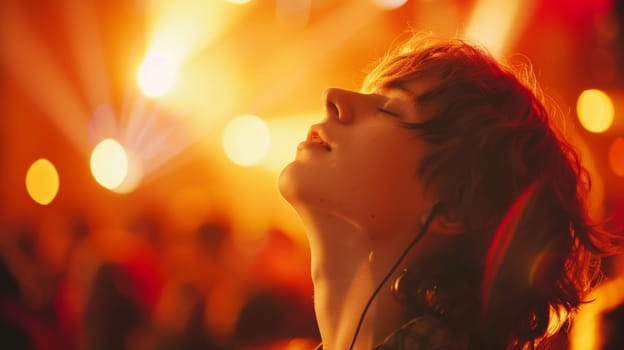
[(67, 284)]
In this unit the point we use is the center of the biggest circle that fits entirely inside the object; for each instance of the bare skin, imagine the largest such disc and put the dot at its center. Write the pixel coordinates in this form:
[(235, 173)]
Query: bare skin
[(354, 185)]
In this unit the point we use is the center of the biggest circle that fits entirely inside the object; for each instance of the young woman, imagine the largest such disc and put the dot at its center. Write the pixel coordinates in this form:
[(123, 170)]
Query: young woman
[(442, 208)]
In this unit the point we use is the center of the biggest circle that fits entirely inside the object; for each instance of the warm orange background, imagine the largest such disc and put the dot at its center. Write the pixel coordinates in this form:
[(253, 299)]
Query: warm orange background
[(199, 232)]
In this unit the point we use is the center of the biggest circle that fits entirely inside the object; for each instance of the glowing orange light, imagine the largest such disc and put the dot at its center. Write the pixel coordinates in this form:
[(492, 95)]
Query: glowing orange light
[(246, 140), (42, 181), (157, 74), (496, 24), (616, 156), (109, 164), (595, 110), (586, 332)]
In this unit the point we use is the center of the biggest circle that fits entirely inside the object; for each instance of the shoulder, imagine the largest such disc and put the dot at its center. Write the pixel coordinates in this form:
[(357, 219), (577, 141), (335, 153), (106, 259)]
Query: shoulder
[(423, 332)]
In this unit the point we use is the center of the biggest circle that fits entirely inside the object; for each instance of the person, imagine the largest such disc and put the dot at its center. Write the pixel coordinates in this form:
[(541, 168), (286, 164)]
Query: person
[(443, 207)]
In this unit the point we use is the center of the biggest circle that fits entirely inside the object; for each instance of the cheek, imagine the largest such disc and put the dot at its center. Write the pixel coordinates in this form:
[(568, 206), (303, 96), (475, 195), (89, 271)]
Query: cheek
[(386, 174), (386, 161)]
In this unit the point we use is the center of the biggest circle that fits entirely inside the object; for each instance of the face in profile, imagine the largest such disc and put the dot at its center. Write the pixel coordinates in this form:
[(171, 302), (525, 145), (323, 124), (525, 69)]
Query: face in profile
[(360, 163)]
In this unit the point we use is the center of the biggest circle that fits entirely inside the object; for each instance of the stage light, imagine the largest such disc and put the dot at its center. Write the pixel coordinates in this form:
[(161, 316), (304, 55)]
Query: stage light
[(616, 156), (246, 140), (157, 74), (42, 181), (595, 110), (109, 164)]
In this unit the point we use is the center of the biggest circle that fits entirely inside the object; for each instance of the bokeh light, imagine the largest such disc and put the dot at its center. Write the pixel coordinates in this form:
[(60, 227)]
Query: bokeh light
[(389, 4), (157, 74), (246, 140), (109, 163), (42, 181), (238, 2), (595, 110), (616, 156)]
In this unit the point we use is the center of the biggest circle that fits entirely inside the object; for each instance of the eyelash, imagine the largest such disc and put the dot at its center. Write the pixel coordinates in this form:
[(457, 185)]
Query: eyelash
[(385, 111)]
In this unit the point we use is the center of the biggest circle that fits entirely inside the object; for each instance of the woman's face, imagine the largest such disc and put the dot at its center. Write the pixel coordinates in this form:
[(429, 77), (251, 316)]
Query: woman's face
[(360, 163)]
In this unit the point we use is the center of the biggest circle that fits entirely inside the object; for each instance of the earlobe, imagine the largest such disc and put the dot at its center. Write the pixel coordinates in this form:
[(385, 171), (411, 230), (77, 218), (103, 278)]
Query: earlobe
[(447, 221), (445, 227)]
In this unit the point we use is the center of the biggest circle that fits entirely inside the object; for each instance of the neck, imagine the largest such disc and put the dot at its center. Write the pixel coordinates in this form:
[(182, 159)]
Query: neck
[(348, 264)]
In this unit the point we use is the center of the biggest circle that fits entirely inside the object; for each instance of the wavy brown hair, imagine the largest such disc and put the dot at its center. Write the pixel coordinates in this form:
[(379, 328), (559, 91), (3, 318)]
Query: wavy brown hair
[(529, 254)]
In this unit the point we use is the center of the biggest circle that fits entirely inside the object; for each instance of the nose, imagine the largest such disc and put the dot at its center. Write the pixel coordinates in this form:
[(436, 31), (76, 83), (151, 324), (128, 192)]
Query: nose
[(339, 104)]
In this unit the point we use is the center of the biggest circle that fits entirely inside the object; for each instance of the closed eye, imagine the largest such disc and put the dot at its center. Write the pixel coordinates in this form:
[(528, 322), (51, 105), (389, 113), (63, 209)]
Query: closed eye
[(385, 111)]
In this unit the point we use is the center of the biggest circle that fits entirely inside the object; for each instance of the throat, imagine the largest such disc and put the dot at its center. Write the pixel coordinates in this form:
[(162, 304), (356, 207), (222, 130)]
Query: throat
[(341, 294), (345, 274)]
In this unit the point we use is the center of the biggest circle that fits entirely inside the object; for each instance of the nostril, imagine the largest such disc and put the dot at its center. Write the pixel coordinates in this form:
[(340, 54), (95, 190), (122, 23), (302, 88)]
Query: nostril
[(332, 109), (337, 104)]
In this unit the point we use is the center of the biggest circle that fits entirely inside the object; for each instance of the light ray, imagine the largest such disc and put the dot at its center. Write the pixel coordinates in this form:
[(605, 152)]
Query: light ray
[(81, 23), (181, 28), (311, 47), (33, 67), (163, 146), (178, 29), (153, 135), (195, 90), (136, 120), (497, 24), (102, 124)]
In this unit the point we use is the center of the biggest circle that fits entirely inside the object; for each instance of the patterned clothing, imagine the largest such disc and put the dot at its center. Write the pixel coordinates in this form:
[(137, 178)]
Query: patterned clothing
[(421, 333)]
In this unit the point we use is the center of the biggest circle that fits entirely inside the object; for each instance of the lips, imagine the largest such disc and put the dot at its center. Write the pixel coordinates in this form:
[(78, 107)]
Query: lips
[(316, 135)]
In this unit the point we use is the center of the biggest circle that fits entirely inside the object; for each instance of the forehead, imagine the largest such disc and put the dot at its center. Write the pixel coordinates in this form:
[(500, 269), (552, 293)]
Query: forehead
[(414, 87)]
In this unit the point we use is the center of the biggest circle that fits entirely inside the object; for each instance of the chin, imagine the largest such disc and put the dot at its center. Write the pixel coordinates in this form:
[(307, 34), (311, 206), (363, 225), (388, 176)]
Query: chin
[(286, 183), (299, 184)]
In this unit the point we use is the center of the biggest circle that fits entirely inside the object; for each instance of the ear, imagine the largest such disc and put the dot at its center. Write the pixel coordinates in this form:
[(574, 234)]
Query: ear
[(446, 221)]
